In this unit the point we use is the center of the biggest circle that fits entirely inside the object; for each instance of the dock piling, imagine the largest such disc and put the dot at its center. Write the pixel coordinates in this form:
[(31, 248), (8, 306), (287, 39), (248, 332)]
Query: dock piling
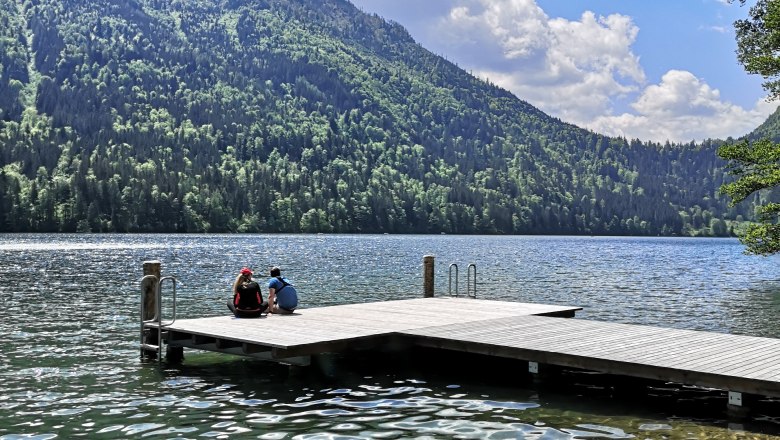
[(149, 298), (150, 289), (428, 264), (740, 405)]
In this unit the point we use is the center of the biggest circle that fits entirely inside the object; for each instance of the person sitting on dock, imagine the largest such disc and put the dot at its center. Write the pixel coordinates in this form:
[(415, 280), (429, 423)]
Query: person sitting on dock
[(282, 295), (247, 300)]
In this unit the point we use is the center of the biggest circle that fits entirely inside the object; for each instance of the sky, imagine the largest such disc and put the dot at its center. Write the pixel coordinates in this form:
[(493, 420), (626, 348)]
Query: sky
[(654, 70)]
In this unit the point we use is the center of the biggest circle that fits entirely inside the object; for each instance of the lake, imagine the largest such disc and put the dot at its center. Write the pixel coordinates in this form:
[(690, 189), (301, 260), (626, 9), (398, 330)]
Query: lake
[(69, 365)]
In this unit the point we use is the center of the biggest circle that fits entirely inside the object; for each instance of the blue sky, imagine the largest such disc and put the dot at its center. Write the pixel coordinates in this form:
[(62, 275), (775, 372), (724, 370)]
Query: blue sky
[(653, 70)]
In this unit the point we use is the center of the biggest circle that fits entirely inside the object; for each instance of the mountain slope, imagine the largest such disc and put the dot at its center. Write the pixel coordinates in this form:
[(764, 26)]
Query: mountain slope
[(304, 115), (768, 129)]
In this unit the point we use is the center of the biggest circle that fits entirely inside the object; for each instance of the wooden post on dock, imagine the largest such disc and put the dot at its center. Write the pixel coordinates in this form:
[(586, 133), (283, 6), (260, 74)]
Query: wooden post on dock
[(150, 289), (428, 261), (149, 298)]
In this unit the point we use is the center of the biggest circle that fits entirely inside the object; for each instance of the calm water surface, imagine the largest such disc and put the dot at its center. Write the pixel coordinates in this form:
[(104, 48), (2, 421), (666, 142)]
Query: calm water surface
[(69, 363)]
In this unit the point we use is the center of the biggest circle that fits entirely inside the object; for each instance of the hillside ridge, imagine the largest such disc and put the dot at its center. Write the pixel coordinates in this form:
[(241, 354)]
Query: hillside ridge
[(304, 116)]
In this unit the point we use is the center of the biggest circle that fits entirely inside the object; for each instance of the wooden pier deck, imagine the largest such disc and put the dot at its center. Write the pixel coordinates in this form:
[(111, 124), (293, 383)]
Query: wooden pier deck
[(530, 332), (714, 360), (290, 338)]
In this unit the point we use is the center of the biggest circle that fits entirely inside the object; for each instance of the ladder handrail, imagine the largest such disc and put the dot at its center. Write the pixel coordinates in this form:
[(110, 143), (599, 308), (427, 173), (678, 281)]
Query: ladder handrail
[(469, 291), (159, 300), (143, 308), (453, 265), (157, 318)]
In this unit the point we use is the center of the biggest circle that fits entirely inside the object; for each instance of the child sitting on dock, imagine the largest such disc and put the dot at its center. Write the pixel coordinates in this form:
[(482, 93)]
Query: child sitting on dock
[(247, 300), (282, 295)]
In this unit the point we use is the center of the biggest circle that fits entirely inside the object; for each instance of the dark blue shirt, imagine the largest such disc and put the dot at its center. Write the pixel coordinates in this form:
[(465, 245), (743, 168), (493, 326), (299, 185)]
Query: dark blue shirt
[(286, 295)]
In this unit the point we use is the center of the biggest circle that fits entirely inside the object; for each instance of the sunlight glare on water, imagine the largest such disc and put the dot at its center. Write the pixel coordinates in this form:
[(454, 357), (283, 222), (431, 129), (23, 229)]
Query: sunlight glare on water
[(69, 325)]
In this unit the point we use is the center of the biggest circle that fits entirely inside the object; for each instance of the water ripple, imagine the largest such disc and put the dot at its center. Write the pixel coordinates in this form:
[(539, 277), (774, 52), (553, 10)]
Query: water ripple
[(74, 371)]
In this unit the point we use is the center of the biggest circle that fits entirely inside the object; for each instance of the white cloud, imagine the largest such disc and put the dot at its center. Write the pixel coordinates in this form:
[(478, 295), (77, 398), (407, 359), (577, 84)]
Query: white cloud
[(580, 70), (718, 29), (683, 108)]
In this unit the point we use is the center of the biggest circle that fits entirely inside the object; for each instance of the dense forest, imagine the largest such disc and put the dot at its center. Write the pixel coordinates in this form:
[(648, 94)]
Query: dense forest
[(303, 116)]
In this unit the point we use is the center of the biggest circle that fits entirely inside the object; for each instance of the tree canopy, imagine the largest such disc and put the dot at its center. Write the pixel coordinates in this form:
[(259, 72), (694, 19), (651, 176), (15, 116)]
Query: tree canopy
[(756, 162), (758, 43), (304, 116)]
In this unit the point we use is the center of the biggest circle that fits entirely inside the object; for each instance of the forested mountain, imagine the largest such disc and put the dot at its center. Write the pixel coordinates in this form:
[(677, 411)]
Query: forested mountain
[(768, 129), (302, 115)]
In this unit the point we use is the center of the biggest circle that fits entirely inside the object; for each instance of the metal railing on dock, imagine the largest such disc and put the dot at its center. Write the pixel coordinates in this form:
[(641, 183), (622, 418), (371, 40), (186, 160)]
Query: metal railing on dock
[(471, 289), (471, 284), (453, 266), (152, 335)]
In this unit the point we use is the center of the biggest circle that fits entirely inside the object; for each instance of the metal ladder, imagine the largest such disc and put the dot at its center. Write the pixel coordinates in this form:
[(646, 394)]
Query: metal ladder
[(147, 331), (471, 286)]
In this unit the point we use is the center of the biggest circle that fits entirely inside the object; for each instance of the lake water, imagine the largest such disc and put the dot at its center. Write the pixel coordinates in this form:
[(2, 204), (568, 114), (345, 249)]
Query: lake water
[(69, 364)]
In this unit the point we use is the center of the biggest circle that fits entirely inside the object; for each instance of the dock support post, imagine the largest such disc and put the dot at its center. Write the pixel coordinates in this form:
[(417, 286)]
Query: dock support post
[(544, 374), (150, 302), (428, 261), (150, 289), (174, 355), (739, 404)]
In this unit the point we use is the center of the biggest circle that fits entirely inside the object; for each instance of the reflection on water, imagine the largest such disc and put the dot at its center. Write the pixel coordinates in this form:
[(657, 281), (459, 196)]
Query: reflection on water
[(69, 326), (218, 396)]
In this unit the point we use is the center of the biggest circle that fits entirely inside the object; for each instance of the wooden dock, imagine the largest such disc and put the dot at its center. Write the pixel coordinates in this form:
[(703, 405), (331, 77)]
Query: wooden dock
[(529, 332), (292, 338)]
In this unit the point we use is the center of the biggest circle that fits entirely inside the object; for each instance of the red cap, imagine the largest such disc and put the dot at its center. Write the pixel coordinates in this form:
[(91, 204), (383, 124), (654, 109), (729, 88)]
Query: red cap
[(246, 271)]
